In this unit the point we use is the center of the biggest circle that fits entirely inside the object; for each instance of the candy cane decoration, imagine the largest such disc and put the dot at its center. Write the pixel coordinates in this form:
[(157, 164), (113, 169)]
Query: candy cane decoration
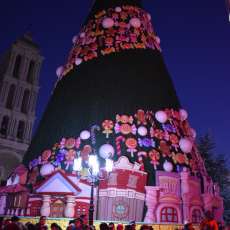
[(119, 140), (93, 130)]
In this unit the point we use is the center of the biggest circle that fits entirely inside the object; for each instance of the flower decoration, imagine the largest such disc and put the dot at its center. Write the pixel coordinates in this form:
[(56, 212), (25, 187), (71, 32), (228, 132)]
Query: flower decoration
[(125, 129), (159, 134), (180, 158)]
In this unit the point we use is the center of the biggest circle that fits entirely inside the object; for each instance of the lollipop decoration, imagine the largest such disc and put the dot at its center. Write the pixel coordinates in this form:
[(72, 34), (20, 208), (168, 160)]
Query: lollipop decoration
[(141, 117), (124, 119), (131, 143), (154, 156), (119, 140), (108, 126)]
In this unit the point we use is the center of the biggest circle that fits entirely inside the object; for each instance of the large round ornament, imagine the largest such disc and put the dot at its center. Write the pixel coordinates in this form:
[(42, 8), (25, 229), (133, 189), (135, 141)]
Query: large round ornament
[(161, 116), (60, 70), (142, 131), (168, 166), (85, 135), (118, 9), (46, 169), (106, 151), (74, 40), (78, 61), (185, 145), (107, 23), (135, 22), (183, 114)]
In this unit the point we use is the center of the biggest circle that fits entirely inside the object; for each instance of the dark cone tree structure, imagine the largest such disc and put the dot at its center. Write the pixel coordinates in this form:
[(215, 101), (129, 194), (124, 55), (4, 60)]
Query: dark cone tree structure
[(114, 98)]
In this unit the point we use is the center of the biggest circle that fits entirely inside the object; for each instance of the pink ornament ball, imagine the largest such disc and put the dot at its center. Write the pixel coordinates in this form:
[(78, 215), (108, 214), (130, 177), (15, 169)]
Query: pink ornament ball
[(149, 17), (78, 61), (107, 23), (142, 131), (193, 132), (74, 40), (185, 145), (168, 166), (118, 9), (161, 116), (135, 22), (60, 70), (85, 135), (183, 114), (82, 35), (106, 151), (158, 40)]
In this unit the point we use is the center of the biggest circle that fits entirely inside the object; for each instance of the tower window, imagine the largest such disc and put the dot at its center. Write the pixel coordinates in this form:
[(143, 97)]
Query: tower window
[(17, 66), (25, 101), (4, 125), (21, 129), (10, 98), (169, 215), (30, 74)]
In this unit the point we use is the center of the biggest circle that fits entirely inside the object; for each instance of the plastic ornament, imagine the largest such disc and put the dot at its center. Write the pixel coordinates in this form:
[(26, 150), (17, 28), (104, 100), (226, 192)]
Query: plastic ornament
[(142, 131), (74, 40), (78, 61), (158, 40), (168, 166), (60, 70), (183, 114), (107, 23), (46, 169), (193, 132), (149, 17), (185, 145), (85, 135), (135, 22), (161, 116), (82, 35), (106, 151), (118, 9)]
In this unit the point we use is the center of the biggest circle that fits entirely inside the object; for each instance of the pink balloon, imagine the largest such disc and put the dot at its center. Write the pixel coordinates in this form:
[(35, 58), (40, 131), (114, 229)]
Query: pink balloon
[(158, 40), (107, 23), (185, 145), (60, 70), (135, 22), (118, 9), (183, 114), (78, 61), (74, 39)]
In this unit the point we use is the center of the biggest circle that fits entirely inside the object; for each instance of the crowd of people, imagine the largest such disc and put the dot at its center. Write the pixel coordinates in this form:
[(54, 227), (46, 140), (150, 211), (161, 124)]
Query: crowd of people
[(81, 223)]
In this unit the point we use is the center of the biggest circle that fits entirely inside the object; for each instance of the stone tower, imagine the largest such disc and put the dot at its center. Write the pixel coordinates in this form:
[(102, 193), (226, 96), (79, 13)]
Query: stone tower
[(19, 86)]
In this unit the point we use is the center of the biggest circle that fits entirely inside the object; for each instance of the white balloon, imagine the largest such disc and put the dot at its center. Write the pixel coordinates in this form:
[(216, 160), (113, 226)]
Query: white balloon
[(185, 145), (168, 166), (107, 23), (85, 135), (106, 151), (161, 116), (74, 39), (118, 9), (46, 169), (142, 131), (183, 114), (135, 22), (78, 61), (60, 70)]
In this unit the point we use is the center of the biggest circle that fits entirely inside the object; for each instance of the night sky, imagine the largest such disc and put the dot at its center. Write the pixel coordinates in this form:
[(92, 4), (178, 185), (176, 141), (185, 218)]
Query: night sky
[(195, 38)]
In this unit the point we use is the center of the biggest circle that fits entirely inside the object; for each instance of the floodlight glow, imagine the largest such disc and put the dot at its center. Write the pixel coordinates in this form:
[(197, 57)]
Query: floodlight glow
[(77, 165), (92, 161), (108, 165)]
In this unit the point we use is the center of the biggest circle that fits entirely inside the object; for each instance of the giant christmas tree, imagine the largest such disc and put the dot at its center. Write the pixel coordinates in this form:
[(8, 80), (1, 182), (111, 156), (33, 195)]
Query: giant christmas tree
[(115, 99)]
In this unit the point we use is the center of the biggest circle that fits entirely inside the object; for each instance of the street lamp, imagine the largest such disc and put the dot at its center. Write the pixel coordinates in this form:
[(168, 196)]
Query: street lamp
[(94, 176)]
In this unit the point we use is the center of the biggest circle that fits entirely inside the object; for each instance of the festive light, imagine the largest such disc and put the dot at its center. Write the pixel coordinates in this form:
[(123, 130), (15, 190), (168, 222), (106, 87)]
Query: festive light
[(108, 165), (77, 165)]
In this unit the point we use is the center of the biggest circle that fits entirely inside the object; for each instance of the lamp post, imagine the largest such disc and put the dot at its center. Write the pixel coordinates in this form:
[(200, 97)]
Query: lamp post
[(94, 170)]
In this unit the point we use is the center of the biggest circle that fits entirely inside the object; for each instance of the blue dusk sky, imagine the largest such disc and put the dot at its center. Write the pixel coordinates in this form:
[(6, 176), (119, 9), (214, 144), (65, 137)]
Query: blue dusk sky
[(195, 39)]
